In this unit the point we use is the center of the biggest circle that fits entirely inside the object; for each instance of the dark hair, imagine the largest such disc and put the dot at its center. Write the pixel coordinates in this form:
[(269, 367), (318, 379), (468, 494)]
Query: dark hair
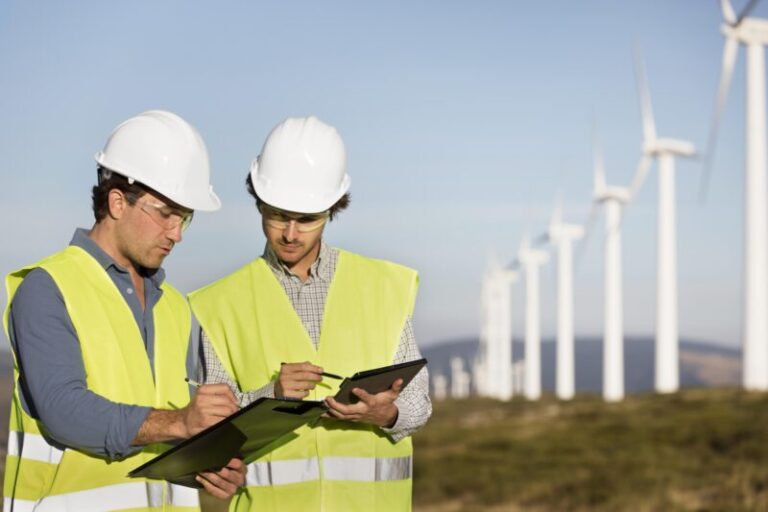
[(337, 207), (108, 180)]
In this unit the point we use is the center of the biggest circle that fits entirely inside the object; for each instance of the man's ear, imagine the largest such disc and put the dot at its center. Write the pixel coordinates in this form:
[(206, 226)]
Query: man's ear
[(117, 203)]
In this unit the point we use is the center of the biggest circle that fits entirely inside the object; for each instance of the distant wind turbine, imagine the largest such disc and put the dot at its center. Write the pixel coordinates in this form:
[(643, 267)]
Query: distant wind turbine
[(664, 150), (613, 200), (753, 34), (493, 375), (459, 378), (530, 260), (440, 386), (561, 236)]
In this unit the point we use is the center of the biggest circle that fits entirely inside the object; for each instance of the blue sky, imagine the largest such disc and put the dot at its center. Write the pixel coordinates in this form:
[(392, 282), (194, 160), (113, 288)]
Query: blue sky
[(463, 122)]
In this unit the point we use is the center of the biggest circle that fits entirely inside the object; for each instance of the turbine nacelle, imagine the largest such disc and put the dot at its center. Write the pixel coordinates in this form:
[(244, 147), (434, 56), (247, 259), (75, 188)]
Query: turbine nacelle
[(561, 231), (749, 31), (669, 146), (612, 193), (526, 255)]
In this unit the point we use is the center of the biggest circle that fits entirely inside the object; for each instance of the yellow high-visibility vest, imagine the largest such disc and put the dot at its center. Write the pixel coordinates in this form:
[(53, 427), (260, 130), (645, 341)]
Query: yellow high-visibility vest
[(335, 465), (41, 477)]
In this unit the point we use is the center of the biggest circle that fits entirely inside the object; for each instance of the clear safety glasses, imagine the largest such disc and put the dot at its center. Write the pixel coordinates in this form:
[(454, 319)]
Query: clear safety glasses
[(305, 222), (163, 215)]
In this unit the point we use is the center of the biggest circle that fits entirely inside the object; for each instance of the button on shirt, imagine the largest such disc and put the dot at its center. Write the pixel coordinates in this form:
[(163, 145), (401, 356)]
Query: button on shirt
[(308, 299), (52, 382)]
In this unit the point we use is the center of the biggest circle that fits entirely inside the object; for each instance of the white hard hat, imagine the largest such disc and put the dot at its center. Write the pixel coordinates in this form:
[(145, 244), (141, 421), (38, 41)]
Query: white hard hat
[(164, 152), (302, 166)]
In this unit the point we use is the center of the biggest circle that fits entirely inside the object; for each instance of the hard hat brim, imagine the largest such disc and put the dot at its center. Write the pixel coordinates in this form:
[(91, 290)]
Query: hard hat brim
[(297, 200)]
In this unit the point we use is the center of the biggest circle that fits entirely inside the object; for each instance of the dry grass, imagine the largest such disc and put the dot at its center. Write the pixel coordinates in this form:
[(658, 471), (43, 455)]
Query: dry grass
[(696, 450)]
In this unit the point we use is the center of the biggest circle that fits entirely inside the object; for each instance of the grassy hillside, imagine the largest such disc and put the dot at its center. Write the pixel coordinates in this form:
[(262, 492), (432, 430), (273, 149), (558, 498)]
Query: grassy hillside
[(697, 450)]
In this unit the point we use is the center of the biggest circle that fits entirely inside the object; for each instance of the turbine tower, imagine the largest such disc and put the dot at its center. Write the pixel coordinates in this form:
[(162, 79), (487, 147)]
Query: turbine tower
[(664, 151), (459, 378), (613, 200), (494, 372), (562, 236), (753, 34), (530, 260), (440, 386)]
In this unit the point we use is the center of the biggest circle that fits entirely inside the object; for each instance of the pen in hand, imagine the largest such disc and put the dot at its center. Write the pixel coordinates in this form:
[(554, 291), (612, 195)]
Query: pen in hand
[(192, 382), (326, 374)]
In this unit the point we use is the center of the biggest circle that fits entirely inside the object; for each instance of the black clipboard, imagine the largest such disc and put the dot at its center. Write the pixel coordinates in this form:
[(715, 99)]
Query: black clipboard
[(378, 379), (242, 434), (259, 424)]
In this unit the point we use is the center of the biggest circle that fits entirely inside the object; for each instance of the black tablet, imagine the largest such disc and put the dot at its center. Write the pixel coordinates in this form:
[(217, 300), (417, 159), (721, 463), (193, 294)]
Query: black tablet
[(243, 434), (378, 379)]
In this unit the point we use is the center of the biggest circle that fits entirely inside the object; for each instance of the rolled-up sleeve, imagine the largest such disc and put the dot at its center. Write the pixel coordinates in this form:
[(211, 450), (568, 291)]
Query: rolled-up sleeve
[(52, 380)]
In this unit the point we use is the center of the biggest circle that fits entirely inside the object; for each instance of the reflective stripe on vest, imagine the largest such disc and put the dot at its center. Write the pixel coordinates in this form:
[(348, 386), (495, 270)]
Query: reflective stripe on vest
[(355, 469), (364, 469), (33, 447), (282, 472), (124, 496)]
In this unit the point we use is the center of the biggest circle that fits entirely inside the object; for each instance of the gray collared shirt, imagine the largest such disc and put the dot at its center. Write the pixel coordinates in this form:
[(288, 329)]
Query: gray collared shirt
[(308, 299), (52, 382)]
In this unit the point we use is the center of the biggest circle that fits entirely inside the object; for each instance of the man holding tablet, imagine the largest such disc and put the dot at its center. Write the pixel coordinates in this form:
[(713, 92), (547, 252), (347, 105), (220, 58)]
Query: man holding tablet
[(273, 327)]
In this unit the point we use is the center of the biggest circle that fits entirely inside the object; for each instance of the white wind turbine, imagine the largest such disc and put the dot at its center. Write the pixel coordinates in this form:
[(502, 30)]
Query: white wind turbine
[(460, 380), (494, 368), (530, 260), (664, 151), (561, 236), (613, 200), (753, 34)]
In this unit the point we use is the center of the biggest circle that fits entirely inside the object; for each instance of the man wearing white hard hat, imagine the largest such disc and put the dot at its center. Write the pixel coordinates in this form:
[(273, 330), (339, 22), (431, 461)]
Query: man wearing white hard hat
[(101, 341), (274, 326)]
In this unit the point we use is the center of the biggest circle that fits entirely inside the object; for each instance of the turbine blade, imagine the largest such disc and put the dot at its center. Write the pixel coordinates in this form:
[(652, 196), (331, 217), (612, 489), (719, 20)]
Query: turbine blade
[(730, 52), (640, 175), (598, 169), (646, 109), (557, 211), (728, 14), (525, 245), (746, 10), (589, 226)]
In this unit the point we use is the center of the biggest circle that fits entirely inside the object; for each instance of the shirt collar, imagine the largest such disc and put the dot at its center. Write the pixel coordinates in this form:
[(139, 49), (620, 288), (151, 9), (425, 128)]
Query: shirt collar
[(320, 268), (82, 240)]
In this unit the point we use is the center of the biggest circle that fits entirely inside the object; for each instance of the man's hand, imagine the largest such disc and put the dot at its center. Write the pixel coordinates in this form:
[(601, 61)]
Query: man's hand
[(296, 380), (378, 409), (226, 481), (211, 404)]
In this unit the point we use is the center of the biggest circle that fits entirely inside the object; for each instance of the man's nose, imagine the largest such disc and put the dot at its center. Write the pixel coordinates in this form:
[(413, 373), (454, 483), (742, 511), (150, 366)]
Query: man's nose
[(174, 234), (291, 231)]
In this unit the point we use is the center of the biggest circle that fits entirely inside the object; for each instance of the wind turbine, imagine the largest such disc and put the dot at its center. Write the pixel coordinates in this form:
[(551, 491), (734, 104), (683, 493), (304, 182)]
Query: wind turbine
[(613, 199), (561, 236), (459, 378), (753, 34), (530, 260), (440, 386), (664, 151), (494, 372)]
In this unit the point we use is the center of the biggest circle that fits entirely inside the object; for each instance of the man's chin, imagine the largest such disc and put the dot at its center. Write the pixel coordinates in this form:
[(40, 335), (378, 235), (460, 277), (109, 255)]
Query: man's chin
[(152, 263), (289, 259)]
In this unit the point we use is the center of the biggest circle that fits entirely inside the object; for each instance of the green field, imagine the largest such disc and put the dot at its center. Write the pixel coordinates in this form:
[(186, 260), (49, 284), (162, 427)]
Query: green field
[(696, 450)]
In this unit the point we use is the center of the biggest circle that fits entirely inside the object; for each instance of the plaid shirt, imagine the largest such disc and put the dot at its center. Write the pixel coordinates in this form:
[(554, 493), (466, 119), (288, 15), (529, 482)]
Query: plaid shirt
[(308, 299)]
